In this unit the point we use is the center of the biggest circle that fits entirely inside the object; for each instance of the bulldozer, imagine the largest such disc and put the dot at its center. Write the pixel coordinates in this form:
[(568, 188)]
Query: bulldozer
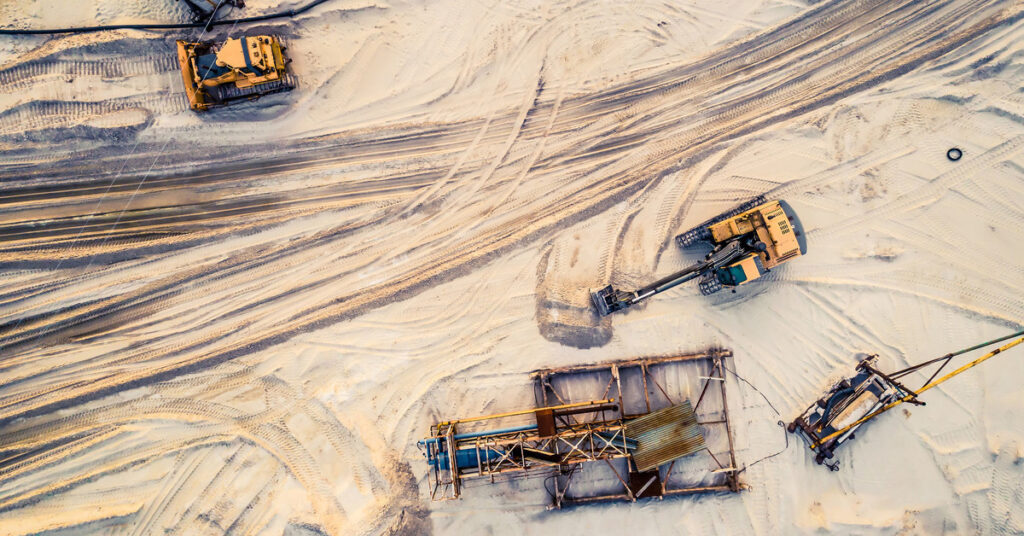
[(240, 69), (746, 242)]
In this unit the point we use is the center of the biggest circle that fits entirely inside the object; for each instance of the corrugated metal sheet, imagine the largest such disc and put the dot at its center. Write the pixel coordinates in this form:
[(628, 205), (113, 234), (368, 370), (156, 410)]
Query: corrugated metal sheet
[(665, 435)]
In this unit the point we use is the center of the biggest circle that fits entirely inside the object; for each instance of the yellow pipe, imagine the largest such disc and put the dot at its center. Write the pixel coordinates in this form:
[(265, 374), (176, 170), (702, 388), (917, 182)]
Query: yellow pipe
[(527, 411), (891, 405)]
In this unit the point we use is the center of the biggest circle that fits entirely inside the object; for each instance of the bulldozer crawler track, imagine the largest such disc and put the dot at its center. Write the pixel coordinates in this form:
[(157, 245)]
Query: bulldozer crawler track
[(228, 94), (25, 75)]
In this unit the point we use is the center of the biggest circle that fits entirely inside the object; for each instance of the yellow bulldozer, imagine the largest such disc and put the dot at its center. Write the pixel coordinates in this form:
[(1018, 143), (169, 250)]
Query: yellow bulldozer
[(240, 69)]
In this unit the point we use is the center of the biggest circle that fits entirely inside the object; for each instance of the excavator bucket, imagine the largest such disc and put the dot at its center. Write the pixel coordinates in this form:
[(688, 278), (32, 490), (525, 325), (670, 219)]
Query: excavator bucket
[(605, 300)]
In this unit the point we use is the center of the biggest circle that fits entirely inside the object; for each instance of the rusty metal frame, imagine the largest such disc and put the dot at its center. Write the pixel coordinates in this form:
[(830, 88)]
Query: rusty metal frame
[(579, 440), (714, 381)]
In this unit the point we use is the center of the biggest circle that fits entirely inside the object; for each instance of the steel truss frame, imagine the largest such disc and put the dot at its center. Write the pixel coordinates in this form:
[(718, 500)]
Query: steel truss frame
[(648, 485), (578, 440)]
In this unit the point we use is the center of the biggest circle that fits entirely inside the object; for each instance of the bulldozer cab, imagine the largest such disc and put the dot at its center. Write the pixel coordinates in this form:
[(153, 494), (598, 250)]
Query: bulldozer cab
[(244, 60), (245, 54)]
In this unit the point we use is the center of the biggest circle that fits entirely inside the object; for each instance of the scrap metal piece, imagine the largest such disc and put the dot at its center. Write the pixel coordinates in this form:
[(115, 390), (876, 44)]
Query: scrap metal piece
[(665, 435)]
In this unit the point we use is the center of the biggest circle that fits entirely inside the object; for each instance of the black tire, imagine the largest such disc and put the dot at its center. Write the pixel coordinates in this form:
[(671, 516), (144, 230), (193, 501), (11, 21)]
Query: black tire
[(954, 154)]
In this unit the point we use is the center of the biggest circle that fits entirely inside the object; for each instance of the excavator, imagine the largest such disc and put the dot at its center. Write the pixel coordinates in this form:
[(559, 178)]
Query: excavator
[(242, 68), (835, 418), (747, 242)]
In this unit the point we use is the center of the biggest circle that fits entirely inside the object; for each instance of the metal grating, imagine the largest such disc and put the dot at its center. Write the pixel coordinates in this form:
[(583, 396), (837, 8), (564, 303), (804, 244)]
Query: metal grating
[(665, 435)]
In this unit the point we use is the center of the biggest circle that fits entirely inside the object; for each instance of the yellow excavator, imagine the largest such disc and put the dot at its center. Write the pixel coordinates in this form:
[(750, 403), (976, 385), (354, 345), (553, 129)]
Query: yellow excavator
[(746, 243), (240, 69)]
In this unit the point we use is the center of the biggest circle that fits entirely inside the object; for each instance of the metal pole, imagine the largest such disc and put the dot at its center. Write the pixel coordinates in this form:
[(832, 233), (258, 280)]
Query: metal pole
[(618, 386), (643, 374), (958, 352), (733, 484), (971, 364), (528, 411), (668, 474)]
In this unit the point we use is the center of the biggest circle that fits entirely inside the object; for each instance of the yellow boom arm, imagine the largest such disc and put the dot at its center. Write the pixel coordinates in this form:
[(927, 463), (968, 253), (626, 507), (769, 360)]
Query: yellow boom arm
[(895, 403), (527, 411)]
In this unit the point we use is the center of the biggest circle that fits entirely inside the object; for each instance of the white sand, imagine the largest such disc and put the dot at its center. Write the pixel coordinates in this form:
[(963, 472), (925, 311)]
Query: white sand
[(353, 302)]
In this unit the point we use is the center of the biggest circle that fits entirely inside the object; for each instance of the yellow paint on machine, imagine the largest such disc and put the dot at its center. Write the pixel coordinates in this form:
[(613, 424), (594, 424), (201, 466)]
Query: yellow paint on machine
[(252, 65)]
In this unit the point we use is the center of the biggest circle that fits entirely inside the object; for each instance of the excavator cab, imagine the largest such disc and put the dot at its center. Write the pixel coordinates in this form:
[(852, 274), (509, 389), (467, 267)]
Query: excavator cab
[(745, 270)]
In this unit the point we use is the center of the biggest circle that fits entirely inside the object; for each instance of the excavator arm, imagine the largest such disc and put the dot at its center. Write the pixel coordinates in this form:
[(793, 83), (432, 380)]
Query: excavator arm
[(609, 299)]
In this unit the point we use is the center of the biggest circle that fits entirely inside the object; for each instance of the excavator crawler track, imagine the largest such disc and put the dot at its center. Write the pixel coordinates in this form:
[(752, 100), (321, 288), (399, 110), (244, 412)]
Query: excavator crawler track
[(709, 284), (701, 233)]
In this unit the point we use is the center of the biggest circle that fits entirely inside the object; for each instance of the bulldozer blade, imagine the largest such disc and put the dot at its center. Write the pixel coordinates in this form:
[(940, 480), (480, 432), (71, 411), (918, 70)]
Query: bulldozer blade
[(196, 98)]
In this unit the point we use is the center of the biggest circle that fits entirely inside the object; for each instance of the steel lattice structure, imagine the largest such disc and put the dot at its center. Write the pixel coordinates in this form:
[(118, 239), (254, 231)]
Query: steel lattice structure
[(564, 435)]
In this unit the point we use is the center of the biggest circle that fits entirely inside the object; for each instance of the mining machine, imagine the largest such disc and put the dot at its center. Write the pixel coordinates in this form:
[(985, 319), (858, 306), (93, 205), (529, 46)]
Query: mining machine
[(837, 416), (746, 242), (240, 69), (205, 11)]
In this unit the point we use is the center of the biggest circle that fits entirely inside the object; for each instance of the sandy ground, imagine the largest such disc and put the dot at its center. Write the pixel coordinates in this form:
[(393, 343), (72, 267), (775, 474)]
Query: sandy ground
[(241, 322)]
